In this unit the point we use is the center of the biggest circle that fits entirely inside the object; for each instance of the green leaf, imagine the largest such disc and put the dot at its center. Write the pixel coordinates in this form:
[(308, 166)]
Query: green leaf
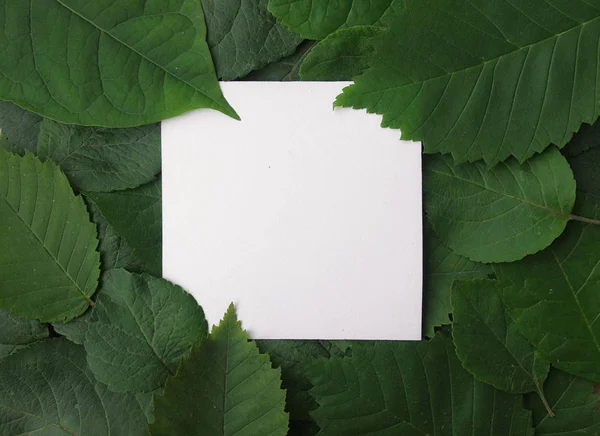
[(47, 389), (136, 216), (443, 266), (317, 19), (553, 298), (75, 329), (410, 388), (482, 328), (96, 159), (586, 168), (342, 55), (503, 213), (575, 403), (19, 127), (587, 138), (225, 387), (139, 331), (16, 333), (243, 36), (284, 70), (108, 63), (51, 269), (485, 79)]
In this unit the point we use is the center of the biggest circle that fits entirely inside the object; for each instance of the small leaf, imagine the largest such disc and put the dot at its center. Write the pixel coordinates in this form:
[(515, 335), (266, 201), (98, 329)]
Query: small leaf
[(139, 330), (342, 55), (575, 403), (484, 80), (47, 389), (136, 216), (482, 328), (553, 298), (442, 266), (51, 269), (317, 19), (243, 36), (112, 63), (284, 70), (500, 214), (225, 387), (16, 332), (96, 159), (410, 388), (19, 127)]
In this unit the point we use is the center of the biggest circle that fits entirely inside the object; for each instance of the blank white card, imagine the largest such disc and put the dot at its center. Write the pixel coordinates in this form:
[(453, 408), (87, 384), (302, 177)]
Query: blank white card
[(307, 218)]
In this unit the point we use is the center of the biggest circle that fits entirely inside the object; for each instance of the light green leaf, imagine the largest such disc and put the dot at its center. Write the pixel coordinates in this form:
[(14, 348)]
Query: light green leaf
[(485, 79), (51, 269), (136, 216), (107, 63), (317, 19), (553, 298), (482, 328), (243, 36), (575, 403), (503, 213), (225, 387), (47, 389), (410, 388), (16, 333), (442, 266), (139, 330), (96, 159), (342, 55), (19, 127), (284, 70)]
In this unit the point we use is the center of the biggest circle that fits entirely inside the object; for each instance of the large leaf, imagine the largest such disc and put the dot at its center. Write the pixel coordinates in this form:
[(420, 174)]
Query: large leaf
[(503, 213), (553, 298), (442, 266), (410, 388), (284, 70), (317, 19), (485, 79), (16, 333), (49, 265), (19, 127), (139, 330), (47, 389), (574, 402), (243, 36), (108, 63), (481, 327), (96, 159), (225, 388), (136, 216)]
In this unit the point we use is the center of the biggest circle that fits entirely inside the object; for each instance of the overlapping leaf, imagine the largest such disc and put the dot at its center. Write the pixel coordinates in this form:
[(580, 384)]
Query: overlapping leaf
[(49, 265), (139, 330), (19, 127), (225, 387), (284, 70), (503, 213), (484, 79), (410, 388), (96, 159), (48, 389), (108, 63), (585, 139), (17, 332)]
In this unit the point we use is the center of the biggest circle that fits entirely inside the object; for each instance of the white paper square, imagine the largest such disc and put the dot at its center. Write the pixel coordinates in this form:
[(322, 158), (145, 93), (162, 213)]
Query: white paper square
[(307, 218)]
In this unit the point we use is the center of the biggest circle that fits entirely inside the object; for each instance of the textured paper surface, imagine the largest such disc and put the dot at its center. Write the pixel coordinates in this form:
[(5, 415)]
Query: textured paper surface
[(307, 218)]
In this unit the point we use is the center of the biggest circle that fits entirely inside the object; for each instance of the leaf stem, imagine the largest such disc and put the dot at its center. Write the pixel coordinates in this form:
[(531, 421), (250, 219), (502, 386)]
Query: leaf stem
[(540, 392), (584, 219)]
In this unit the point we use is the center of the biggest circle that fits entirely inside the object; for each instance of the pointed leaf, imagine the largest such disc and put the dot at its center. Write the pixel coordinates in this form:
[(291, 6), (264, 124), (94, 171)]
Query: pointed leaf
[(503, 213), (553, 298), (17, 332), (139, 330), (49, 390), (51, 268), (410, 388), (482, 328), (225, 387), (96, 159), (109, 63), (19, 127), (485, 79)]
